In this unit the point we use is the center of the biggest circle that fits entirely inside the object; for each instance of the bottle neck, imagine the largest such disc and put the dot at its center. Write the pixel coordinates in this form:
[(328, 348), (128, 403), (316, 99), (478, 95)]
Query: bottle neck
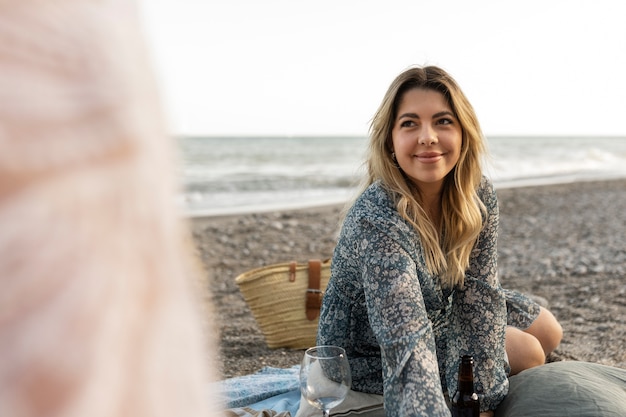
[(466, 386), (466, 375)]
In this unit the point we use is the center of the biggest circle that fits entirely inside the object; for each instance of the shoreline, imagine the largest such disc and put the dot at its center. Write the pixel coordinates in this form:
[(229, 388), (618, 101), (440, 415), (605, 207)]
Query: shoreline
[(561, 179), (563, 242)]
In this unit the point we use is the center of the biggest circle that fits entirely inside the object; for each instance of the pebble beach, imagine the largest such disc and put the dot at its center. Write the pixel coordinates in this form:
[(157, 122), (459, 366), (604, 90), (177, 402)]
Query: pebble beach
[(565, 243)]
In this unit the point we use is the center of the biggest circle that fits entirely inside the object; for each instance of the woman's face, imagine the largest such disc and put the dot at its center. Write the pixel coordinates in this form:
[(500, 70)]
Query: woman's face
[(426, 138)]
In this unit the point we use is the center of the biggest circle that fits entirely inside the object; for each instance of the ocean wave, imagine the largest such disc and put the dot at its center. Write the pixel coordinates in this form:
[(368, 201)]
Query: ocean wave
[(222, 174)]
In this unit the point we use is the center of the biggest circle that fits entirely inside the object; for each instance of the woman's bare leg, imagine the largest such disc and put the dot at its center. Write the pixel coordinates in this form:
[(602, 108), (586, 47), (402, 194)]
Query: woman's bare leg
[(529, 348), (523, 349), (547, 330)]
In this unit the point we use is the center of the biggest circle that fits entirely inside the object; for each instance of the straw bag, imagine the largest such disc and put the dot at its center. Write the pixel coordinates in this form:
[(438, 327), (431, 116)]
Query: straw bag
[(285, 300)]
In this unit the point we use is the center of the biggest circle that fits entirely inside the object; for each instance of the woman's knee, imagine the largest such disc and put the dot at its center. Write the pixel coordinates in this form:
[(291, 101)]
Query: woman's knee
[(547, 330), (523, 350)]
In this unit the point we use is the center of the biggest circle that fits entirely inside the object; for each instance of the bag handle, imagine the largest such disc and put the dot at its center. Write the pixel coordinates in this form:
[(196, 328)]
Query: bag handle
[(292, 271), (313, 293)]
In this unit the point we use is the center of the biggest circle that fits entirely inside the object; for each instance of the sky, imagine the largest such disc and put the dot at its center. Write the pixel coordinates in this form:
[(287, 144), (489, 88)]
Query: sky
[(292, 67)]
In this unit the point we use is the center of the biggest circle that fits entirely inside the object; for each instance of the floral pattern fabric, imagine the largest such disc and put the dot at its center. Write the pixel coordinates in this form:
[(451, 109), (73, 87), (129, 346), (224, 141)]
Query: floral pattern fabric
[(403, 332)]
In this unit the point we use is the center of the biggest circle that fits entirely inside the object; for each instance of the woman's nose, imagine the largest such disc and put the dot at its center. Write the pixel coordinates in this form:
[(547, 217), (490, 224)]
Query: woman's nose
[(427, 136)]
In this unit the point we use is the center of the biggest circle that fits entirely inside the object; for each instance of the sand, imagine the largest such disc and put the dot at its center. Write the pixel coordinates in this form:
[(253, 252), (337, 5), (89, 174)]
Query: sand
[(565, 243)]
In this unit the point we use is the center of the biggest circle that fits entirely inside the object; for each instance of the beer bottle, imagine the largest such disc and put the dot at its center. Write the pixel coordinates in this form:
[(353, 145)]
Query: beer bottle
[(464, 402)]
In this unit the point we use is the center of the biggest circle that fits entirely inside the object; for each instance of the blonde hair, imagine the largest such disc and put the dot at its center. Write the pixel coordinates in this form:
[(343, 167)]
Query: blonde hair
[(447, 251)]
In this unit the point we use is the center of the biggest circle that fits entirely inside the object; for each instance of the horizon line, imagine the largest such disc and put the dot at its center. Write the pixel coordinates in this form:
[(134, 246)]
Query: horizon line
[(354, 136)]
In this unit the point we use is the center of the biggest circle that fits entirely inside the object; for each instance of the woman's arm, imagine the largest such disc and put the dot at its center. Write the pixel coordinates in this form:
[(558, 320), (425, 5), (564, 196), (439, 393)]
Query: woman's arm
[(478, 315), (399, 319)]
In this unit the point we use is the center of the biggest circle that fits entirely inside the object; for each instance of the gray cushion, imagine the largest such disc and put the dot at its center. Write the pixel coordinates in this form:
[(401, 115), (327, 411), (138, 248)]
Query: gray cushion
[(566, 389)]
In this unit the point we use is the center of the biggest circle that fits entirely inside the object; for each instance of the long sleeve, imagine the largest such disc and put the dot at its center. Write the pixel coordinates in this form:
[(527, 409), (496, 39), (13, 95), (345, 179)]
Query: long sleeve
[(377, 307), (399, 320), (477, 320)]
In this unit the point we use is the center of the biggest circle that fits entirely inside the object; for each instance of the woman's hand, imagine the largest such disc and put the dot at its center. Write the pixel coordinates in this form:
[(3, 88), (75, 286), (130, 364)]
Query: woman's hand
[(487, 414)]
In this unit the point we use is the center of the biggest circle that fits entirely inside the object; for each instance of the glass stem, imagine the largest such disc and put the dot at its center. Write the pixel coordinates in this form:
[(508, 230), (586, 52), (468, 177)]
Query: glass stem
[(326, 413)]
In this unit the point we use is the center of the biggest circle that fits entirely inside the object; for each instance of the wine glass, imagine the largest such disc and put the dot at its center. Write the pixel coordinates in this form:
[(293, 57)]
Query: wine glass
[(325, 377)]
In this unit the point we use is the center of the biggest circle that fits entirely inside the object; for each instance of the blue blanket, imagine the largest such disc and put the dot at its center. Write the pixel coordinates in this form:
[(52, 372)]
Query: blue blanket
[(269, 389)]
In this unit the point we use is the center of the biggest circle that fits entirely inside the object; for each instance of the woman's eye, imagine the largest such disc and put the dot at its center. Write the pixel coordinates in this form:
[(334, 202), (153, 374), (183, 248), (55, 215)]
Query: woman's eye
[(445, 121), (407, 123)]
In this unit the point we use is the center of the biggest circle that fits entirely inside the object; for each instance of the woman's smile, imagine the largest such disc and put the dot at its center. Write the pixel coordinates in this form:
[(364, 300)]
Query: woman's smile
[(429, 157)]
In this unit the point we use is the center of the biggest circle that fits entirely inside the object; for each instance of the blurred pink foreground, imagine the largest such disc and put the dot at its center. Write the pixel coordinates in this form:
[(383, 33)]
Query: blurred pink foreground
[(97, 316)]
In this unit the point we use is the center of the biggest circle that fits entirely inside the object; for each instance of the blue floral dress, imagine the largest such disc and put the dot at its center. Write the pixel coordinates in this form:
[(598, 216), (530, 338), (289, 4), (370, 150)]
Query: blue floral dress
[(403, 332)]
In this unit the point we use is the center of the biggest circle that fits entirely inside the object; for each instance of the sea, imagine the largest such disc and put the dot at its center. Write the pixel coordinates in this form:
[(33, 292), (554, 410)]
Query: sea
[(234, 175)]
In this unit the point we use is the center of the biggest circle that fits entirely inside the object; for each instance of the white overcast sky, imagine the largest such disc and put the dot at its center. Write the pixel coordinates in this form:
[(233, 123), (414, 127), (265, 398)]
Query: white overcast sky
[(291, 67)]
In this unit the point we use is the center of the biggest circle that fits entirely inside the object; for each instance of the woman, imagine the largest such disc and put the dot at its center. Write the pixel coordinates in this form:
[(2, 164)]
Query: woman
[(414, 280)]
